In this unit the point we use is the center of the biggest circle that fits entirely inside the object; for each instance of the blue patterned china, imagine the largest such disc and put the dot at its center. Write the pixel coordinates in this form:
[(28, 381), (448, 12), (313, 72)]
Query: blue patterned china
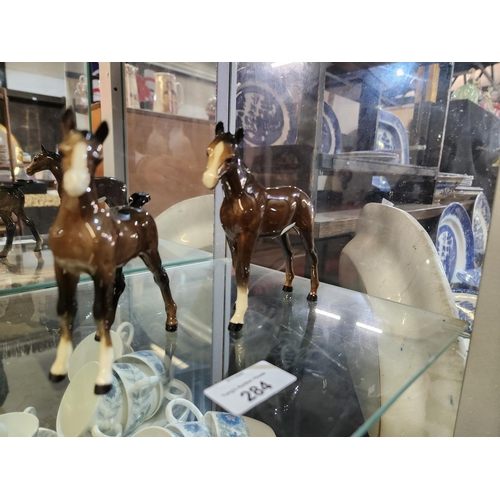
[(470, 277), (224, 424), (455, 241), (104, 429), (466, 306), (331, 137), (151, 364), (81, 409), (481, 216), (189, 429), (265, 109), (392, 135), (140, 394)]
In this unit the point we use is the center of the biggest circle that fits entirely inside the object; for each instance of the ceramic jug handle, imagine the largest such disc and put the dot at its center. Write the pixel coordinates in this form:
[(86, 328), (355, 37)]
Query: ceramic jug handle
[(127, 336), (180, 93)]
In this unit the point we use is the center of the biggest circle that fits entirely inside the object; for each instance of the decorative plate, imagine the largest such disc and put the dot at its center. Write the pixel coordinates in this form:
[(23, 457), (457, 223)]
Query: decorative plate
[(331, 137), (470, 277), (265, 109), (481, 216), (392, 135), (466, 306), (455, 241)]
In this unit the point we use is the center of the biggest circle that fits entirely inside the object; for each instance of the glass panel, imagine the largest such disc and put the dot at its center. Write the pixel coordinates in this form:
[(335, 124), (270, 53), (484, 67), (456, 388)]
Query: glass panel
[(353, 355), (170, 122)]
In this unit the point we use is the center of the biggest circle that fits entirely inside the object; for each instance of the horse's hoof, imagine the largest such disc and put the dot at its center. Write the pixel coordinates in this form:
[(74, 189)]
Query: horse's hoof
[(102, 389), (287, 288), (56, 378), (171, 328), (235, 327), (3, 255), (97, 338), (312, 298)]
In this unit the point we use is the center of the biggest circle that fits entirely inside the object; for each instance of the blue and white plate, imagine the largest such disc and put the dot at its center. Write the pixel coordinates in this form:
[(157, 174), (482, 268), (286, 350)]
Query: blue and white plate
[(481, 216), (331, 142), (455, 241), (392, 136), (470, 277), (466, 306), (265, 109)]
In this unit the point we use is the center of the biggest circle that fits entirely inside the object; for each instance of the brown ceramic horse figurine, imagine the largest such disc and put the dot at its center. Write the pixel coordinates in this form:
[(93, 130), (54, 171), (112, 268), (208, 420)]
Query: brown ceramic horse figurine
[(86, 238), (113, 190), (12, 202), (249, 210)]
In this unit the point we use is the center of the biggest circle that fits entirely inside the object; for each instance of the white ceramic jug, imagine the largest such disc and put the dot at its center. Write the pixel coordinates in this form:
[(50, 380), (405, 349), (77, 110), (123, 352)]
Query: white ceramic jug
[(169, 93)]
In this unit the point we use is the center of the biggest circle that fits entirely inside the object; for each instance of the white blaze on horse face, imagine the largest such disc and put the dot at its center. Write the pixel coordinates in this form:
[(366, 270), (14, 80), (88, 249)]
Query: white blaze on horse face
[(214, 162), (77, 178), (241, 305)]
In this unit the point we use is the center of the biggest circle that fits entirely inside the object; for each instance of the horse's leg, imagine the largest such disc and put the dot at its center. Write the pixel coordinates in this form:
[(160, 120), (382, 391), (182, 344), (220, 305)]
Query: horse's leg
[(118, 288), (29, 222), (66, 311), (10, 226), (103, 303), (284, 242), (233, 249), (243, 252), (152, 259), (306, 233)]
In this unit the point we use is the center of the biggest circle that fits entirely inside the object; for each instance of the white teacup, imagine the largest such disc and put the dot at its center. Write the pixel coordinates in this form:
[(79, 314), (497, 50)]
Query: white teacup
[(88, 349), (142, 398), (153, 431), (104, 429), (44, 432), (81, 409), (19, 423)]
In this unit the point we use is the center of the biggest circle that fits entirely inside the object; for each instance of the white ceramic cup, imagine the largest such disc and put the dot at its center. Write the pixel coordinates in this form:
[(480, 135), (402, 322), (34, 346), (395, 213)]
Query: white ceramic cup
[(44, 432), (199, 428), (140, 393), (88, 349), (153, 431), (224, 424), (81, 409), (19, 423)]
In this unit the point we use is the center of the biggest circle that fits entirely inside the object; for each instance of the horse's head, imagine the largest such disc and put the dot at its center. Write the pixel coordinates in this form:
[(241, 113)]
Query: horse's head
[(220, 152), (81, 152), (44, 160)]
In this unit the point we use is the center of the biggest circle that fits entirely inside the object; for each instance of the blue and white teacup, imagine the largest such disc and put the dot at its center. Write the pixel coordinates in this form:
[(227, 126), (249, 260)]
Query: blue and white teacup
[(186, 429), (225, 424), (143, 398)]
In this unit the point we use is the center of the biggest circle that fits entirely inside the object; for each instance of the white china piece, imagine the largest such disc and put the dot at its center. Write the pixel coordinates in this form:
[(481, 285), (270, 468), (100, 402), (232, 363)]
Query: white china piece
[(88, 349), (392, 135), (19, 423), (80, 409), (455, 241)]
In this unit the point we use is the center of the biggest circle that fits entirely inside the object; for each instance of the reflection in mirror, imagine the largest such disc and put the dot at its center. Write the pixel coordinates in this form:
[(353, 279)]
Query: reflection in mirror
[(170, 120)]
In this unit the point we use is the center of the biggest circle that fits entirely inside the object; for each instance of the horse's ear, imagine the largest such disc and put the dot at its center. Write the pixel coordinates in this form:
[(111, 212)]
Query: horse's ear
[(68, 120), (43, 149), (102, 132), (219, 128), (238, 136)]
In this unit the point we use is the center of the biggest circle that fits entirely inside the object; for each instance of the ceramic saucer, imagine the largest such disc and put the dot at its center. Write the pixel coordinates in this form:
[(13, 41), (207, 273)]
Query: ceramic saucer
[(481, 216)]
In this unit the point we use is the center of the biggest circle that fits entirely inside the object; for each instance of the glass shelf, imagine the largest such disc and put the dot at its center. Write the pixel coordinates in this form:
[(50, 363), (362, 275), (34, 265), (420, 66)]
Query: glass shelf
[(25, 270), (355, 356)]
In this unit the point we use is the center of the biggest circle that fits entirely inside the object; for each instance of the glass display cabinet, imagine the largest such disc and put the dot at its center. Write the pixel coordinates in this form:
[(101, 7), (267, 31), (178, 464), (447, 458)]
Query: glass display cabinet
[(383, 150)]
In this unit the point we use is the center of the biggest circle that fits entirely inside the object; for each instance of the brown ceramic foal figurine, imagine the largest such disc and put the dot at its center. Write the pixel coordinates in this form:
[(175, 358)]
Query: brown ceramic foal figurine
[(86, 238), (250, 210), (114, 190), (12, 202)]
